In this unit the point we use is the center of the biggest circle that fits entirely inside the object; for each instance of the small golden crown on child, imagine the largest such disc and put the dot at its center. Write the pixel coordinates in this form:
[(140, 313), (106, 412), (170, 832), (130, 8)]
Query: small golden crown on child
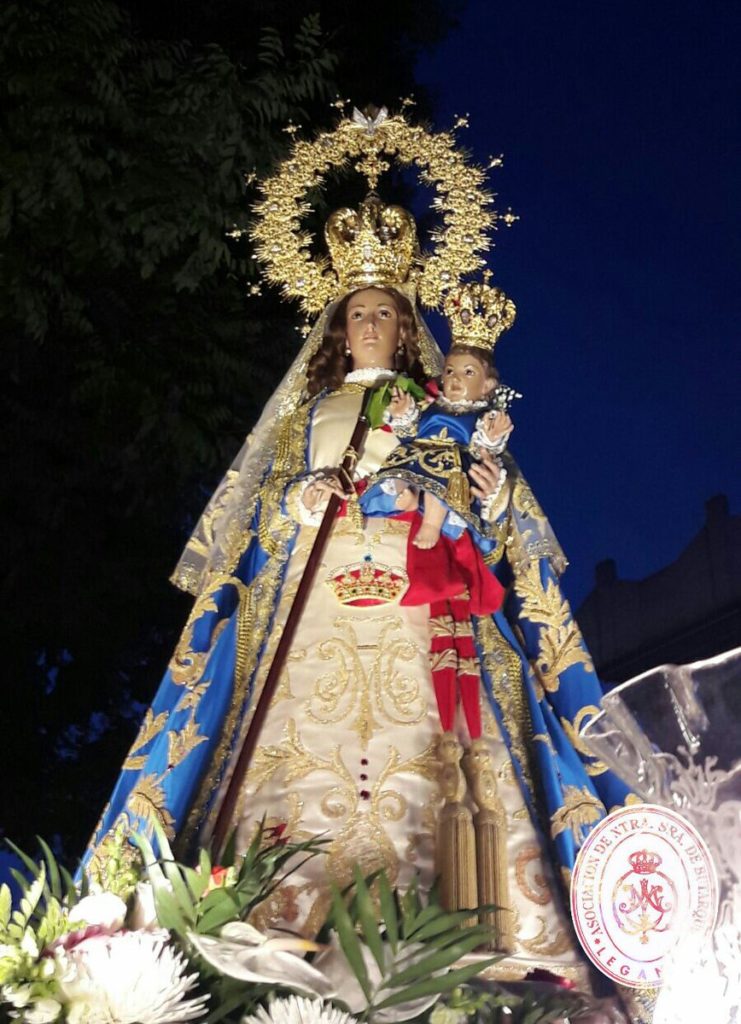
[(374, 244), (478, 313)]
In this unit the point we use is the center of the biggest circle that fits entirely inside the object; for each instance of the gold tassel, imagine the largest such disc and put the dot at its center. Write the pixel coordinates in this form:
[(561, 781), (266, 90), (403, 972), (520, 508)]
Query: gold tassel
[(456, 845), (457, 493), (490, 826)]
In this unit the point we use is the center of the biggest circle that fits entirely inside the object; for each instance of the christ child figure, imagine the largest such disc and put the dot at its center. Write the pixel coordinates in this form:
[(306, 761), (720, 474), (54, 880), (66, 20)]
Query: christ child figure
[(456, 429), (444, 441)]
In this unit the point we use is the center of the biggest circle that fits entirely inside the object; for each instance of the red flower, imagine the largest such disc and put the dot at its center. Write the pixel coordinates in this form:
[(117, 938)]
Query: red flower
[(432, 388), (218, 876), (276, 833)]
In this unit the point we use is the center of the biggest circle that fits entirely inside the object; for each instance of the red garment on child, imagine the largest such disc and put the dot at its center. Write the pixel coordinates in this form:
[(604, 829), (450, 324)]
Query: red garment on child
[(449, 569), (454, 580)]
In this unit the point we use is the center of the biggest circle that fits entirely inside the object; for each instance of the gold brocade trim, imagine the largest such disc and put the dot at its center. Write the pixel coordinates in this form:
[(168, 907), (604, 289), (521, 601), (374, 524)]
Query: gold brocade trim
[(469, 667), (541, 895), (500, 533), (187, 665), (437, 469), (504, 669), (442, 625), (580, 809), (192, 695), (572, 730), (442, 660), (560, 644), (530, 537), (200, 543), (257, 602)]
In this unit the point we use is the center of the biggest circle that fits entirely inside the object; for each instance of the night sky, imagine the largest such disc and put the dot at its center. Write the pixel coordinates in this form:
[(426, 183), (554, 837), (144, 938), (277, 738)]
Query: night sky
[(618, 122)]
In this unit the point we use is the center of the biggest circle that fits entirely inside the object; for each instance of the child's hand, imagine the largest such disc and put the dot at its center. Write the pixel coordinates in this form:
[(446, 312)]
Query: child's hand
[(497, 425), (401, 402)]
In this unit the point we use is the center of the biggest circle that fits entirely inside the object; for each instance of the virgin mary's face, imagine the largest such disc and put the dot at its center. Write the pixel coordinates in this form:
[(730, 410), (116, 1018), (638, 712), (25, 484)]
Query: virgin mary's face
[(372, 329)]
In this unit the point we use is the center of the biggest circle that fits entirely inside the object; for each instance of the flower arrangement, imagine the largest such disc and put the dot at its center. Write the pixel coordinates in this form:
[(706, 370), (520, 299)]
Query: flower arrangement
[(152, 941)]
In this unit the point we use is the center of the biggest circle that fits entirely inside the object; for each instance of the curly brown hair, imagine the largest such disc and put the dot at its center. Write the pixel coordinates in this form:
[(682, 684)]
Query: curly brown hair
[(329, 364), (479, 354)]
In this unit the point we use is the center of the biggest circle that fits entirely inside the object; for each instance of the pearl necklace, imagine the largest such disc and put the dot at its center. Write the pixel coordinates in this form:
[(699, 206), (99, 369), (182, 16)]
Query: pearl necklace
[(369, 375)]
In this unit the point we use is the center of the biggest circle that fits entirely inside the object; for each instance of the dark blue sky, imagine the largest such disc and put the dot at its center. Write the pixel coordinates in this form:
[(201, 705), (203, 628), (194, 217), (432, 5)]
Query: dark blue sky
[(619, 125)]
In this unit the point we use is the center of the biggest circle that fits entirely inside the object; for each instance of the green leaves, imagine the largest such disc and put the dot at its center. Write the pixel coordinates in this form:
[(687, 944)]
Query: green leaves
[(206, 899), (401, 950), (382, 395)]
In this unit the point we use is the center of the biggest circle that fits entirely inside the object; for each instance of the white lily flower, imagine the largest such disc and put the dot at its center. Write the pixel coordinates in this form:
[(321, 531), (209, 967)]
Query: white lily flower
[(102, 909), (241, 951), (127, 978), (43, 1011), (297, 1010), (143, 915)]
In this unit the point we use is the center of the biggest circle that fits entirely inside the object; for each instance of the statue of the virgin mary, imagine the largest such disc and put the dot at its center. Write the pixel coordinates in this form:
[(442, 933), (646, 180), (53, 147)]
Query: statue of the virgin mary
[(351, 747)]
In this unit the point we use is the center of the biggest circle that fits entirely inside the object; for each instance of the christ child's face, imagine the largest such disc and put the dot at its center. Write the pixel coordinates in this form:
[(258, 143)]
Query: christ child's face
[(465, 378)]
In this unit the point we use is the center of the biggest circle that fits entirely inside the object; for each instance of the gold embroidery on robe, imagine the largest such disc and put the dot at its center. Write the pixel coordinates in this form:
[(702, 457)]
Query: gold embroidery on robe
[(580, 808), (592, 765), (181, 742), (147, 801), (559, 641), (505, 672), (383, 692), (533, 887), (151, 726)]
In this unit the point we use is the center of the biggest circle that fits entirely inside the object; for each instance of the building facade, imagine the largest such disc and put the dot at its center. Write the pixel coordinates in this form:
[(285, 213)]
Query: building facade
[(689, 610)]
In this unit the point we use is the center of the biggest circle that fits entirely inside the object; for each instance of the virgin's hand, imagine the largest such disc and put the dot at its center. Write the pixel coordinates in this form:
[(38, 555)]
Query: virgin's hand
[(318, 492), (401, 402), (497, 424), (484, 477)]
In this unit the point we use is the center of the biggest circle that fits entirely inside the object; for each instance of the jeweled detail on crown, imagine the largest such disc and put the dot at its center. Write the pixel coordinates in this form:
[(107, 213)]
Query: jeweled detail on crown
[(374, 244), (478, 314), (361, 584)]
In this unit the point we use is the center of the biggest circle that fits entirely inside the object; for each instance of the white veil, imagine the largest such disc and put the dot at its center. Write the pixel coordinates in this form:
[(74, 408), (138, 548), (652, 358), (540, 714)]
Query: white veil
[(221, 533)]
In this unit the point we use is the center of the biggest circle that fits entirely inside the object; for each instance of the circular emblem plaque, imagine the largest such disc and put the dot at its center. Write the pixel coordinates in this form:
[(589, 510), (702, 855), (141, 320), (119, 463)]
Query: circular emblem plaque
[(643, 879)]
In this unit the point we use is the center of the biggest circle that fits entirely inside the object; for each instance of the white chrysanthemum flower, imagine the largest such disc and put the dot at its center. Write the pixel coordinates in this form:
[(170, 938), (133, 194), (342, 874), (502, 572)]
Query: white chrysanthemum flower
[(299, 1010), (127, 978)]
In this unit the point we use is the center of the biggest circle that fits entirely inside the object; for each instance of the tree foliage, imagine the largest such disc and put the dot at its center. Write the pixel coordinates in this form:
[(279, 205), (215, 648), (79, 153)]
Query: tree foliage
[(134, 359)]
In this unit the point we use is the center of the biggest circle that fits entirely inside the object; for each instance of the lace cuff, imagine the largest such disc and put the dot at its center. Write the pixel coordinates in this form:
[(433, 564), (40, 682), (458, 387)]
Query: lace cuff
[(480, 441), (295, 503), (489, 512), (404, 425)]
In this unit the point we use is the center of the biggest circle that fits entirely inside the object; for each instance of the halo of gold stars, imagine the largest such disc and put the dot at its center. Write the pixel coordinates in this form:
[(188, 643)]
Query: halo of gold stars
[(368, 143)]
